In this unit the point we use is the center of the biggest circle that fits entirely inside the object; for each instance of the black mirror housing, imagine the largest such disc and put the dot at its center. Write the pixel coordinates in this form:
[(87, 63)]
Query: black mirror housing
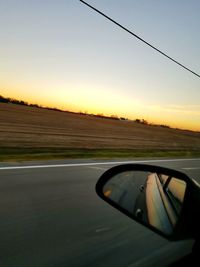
[(156, 197)]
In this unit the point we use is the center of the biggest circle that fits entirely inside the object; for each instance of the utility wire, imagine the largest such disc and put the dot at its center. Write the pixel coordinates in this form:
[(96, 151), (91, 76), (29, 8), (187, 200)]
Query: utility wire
[(138, 37)]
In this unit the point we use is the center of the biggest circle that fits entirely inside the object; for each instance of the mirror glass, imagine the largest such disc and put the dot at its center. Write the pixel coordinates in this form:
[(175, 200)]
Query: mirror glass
[(154, 199)]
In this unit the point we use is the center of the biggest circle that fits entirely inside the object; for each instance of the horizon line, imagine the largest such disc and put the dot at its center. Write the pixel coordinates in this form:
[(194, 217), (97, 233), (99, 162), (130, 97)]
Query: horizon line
[(101, 115)]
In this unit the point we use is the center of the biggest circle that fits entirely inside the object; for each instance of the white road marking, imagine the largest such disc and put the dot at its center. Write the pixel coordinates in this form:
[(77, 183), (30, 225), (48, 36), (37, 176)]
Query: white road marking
[(92, 164), (102, 229)]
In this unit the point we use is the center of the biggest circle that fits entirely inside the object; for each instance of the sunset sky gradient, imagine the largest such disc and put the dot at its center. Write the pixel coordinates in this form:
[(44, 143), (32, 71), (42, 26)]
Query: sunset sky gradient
[(62, 54)]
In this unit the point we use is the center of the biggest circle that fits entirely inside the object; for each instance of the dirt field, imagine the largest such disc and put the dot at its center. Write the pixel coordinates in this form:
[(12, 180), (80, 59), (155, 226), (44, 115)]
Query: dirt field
[(30, 127)]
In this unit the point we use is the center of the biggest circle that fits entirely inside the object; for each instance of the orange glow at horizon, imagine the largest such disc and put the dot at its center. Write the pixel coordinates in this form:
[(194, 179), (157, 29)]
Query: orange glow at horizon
[(103, 102), (62, 57)]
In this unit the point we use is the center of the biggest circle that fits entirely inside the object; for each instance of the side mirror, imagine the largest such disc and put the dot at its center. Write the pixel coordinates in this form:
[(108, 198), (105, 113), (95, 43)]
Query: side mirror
[(151, 195)]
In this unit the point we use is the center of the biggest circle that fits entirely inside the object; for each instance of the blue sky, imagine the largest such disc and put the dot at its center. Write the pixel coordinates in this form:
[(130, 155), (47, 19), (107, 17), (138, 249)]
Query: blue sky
[(61, 53)]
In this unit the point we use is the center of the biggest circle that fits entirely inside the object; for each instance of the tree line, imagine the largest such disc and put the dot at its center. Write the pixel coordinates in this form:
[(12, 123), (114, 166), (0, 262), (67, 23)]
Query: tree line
[(112, 117)]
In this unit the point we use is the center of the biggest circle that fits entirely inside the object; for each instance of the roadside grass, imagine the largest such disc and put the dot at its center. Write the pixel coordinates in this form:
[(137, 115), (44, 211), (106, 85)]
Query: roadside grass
[(28, 154)]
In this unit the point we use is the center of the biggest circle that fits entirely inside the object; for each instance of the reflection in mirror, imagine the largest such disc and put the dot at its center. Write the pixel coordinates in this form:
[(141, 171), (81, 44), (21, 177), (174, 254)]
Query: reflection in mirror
[(153, 198)]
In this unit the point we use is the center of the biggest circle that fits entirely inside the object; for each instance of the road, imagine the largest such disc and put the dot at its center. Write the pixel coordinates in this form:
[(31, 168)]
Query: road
[(50, 216), (124, 189)]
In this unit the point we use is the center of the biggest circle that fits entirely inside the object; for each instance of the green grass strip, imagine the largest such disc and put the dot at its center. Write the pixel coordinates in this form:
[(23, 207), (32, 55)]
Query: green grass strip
[(24, 154)]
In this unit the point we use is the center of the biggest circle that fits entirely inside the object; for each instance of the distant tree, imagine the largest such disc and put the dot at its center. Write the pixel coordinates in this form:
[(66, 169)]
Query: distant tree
[(114, 117), (100, 115), (164, 126), (23, 103), (14, 101), (4, 99), (34, 105), (144, 122)]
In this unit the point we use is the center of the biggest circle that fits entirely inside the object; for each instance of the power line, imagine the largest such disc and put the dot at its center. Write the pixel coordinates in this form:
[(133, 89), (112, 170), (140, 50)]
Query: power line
[(142, 40)]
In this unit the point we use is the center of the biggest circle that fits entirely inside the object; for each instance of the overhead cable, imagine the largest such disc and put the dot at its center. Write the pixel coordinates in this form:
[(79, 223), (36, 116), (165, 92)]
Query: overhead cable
[(138, 37)]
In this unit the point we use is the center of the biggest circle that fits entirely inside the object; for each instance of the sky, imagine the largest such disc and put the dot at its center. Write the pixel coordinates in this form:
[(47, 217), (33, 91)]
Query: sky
[(62, 54)]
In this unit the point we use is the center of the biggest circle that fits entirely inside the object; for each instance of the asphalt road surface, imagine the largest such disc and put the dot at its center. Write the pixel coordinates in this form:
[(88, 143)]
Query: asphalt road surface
[(50, 216), (124, 190)]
